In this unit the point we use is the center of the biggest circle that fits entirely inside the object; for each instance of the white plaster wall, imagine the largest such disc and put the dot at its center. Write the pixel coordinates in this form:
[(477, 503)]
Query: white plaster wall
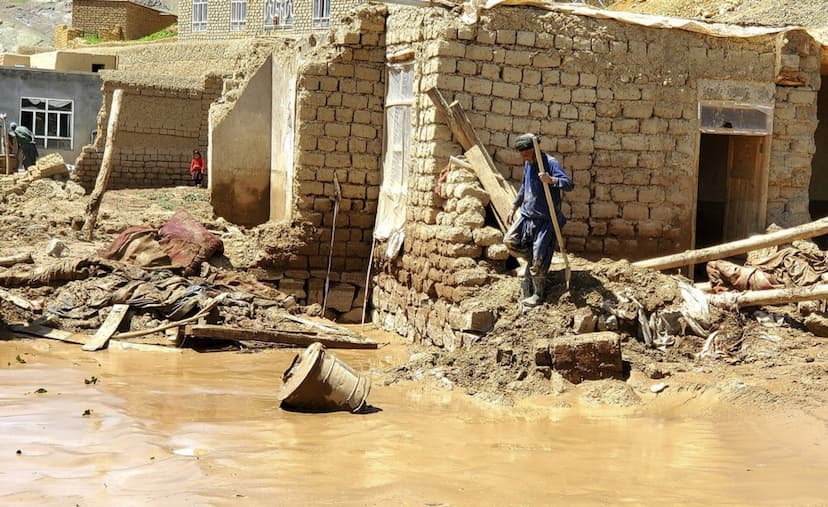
[(239, 153)]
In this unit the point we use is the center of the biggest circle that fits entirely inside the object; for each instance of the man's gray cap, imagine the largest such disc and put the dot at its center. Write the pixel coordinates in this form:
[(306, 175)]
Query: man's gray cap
[(524, 142), (12, 125)]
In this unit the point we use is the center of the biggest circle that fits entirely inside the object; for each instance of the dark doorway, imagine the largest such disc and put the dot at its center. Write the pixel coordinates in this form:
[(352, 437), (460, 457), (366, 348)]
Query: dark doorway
[(818, 191), (712, 189), (98, 67)]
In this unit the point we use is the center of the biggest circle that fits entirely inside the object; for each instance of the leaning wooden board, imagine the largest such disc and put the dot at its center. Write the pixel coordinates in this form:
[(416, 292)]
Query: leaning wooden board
[(110, 325)]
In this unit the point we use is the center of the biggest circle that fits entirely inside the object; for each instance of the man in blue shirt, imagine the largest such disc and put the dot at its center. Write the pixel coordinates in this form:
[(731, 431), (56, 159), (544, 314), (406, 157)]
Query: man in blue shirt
[(531, 234)]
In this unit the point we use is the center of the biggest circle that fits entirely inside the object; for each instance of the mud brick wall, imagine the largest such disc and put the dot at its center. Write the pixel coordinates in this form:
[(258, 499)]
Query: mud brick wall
[(97, 16), (158, 129), (218, 20), (613, 103), (339, 111), (794, 125), (64, 34)]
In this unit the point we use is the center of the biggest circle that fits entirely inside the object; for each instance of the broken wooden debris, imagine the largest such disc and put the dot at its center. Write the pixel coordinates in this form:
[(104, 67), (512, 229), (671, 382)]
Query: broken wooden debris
[(276, 336), (502, 194), (21, 302), (51, 333), (21, 258), (211, 304), (110, 325), (809, 230)]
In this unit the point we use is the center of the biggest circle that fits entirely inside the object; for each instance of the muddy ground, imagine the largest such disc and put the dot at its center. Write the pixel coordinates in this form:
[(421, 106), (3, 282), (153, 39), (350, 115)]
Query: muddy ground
[(776, 362)]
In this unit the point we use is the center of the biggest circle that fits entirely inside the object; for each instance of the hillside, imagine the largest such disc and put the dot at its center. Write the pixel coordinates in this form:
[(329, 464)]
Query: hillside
[(32, 22)]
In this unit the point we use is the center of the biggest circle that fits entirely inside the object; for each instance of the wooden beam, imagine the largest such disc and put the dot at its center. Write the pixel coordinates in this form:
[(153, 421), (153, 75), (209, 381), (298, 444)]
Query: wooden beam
[(770, 297), (809, 230), (91, 212), (275, 336), (51, 333), (21, 258), (442, 106)]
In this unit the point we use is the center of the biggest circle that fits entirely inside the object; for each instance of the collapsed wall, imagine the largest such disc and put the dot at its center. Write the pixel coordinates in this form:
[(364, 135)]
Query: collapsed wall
[(617, 104), (160, 126), (338, 136), (168, 90)]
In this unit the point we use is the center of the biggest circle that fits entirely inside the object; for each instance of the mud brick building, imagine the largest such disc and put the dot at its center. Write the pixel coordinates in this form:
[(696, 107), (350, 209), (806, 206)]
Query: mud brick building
[(674, 135), (134, 19), (228, 19)]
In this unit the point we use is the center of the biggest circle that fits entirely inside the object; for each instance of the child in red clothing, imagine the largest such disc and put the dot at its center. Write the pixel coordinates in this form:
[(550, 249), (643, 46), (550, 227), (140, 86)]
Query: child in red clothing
[(197, 168)]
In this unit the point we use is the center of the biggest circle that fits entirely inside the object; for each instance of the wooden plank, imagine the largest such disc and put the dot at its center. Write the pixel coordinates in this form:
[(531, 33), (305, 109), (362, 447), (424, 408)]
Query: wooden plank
[(502, 194), (51, 333), (443, 107), (110, 325), (274, 336), (809, 230)]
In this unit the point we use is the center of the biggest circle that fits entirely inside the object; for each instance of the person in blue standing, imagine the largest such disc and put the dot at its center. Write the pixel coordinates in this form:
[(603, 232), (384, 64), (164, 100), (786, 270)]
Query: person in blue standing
[(531, 235)]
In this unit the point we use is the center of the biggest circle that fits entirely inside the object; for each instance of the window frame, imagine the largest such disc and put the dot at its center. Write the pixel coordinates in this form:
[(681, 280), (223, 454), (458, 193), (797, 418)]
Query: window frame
[(272, 11), (199, 24), (321, 14), (238, 15), (29, 119)]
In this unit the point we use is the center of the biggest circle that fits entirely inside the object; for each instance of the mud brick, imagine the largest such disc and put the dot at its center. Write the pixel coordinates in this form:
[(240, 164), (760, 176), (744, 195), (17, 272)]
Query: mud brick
[(341, 297), (590, 356), (471, 320), (584, 321), (541, 351)]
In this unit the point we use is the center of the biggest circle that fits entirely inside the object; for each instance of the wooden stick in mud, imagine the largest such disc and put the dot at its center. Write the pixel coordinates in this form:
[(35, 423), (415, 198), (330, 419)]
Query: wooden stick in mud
[(11, 260), (275, 336), (809, 230), (6, 145), (51, 333), (553, 213), (91, 213), (770, 297)]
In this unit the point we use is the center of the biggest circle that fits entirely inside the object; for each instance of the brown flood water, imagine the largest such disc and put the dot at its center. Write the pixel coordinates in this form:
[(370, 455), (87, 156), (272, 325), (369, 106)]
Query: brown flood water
[(423, 447)]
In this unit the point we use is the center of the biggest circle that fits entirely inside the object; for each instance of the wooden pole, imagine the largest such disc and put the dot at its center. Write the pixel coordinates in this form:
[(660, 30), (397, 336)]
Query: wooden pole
[(552, 213), (106, 167), (6, 146), (337, 197), (770, 297), (809, 230), (21, 258)]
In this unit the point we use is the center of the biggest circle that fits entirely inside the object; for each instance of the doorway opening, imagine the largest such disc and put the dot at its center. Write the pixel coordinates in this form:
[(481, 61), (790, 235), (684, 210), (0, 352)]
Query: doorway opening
[(731, 200), (818, 191)]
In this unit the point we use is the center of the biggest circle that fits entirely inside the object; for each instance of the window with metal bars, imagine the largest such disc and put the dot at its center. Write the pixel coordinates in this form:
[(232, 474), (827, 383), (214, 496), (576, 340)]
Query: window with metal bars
[(238, 15), (199, 15), (321, 14), (50, 120), (278, 14)]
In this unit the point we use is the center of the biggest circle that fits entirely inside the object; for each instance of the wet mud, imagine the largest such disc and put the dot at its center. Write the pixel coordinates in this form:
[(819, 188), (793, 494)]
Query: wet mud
[(121, 427)]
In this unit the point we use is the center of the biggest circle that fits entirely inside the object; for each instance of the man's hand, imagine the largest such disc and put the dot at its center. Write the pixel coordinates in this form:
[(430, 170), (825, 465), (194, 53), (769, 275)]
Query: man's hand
[(511, 217), (549, 180)]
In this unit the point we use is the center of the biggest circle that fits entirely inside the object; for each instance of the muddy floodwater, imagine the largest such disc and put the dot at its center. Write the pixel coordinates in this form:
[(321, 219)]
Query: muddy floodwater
[(183, 428)]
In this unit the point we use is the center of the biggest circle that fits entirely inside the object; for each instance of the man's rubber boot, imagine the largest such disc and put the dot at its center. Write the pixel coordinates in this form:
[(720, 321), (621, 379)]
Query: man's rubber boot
[(539, 285), (526, 287)]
